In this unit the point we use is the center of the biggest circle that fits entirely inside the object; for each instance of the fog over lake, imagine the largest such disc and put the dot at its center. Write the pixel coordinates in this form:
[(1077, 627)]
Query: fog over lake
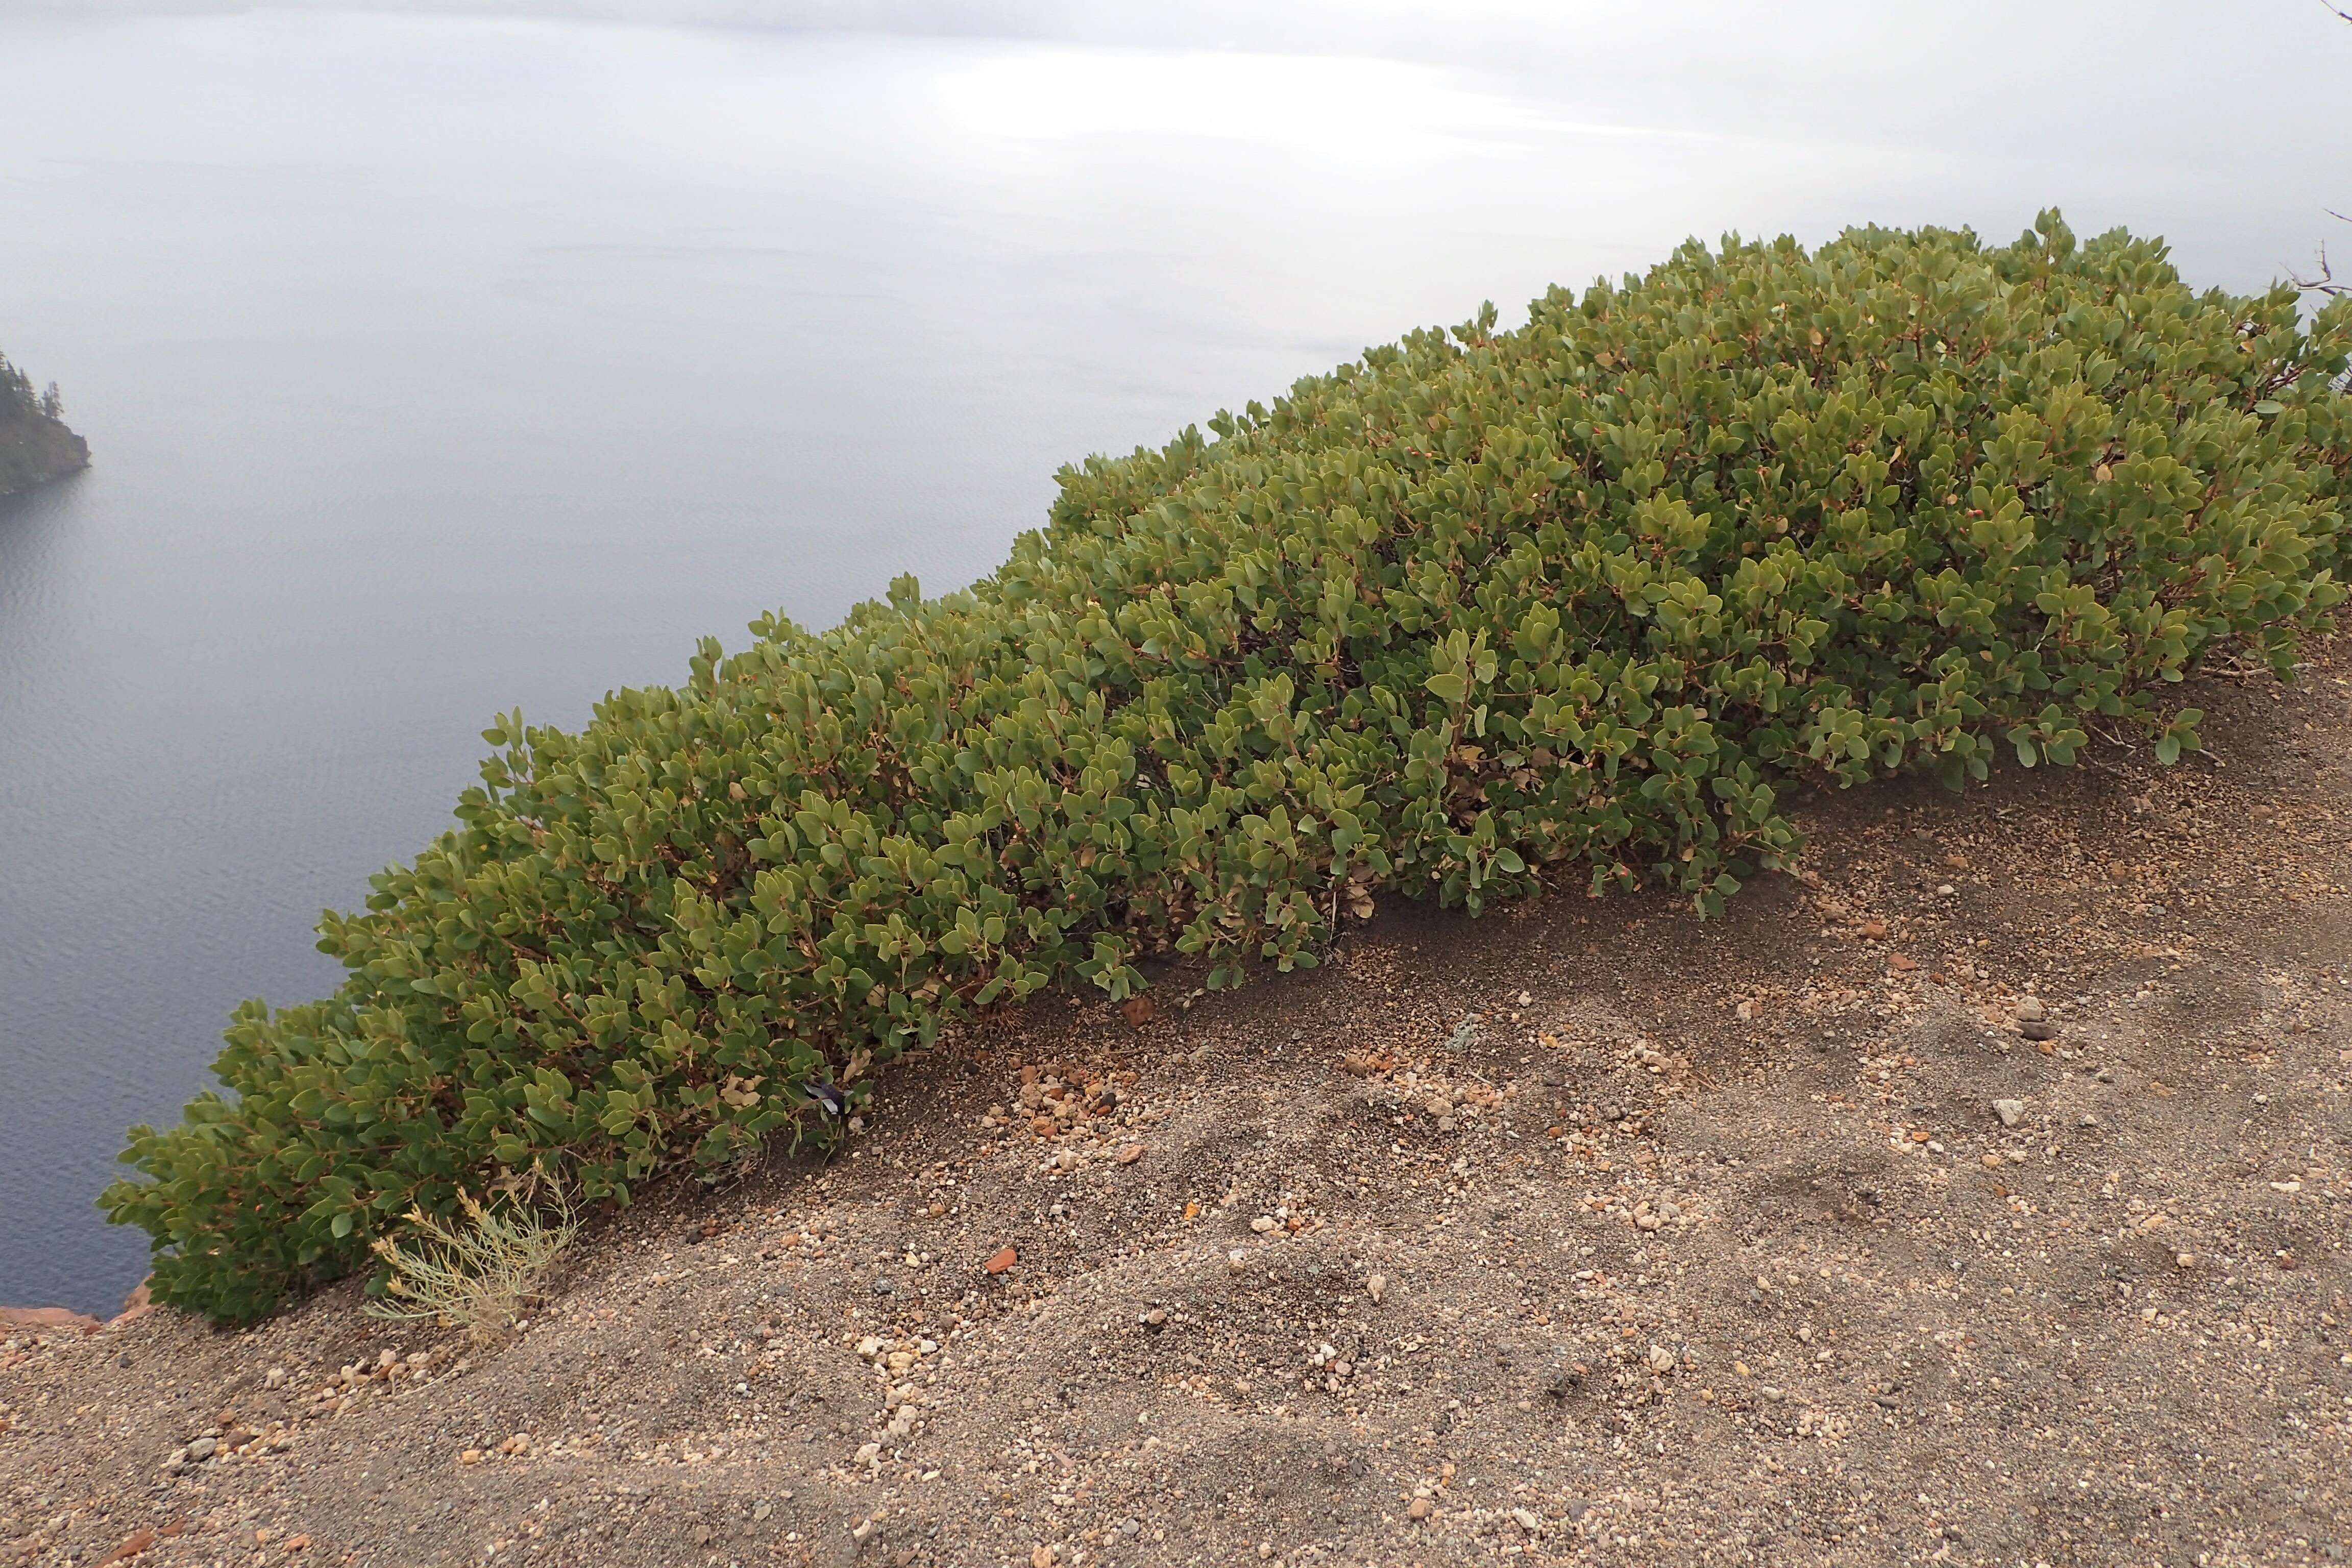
[(435, 363)]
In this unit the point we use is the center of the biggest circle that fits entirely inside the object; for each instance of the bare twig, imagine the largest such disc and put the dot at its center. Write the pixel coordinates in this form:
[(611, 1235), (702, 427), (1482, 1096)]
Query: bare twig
[(2234, 667), (2325, 282)]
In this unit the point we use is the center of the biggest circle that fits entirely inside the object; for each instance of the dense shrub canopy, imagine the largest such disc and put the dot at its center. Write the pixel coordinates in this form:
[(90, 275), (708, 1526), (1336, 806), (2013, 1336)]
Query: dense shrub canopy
[(1568, 603)]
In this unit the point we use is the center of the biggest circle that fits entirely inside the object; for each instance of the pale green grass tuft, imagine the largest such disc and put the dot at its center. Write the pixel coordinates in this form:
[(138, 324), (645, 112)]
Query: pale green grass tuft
[(483, 1276)]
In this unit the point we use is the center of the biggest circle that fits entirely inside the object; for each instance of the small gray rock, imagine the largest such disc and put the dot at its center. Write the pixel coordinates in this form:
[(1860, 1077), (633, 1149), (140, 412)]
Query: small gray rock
[(2038, 1029), (201, 1447), (2011, 1112)]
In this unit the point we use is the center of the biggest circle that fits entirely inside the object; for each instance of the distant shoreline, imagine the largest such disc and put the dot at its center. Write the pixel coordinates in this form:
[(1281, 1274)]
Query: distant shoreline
[(36, 449)]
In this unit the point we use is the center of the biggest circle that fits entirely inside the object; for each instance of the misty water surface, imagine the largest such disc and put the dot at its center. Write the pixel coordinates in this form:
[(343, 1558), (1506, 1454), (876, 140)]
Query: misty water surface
[(436, 366)]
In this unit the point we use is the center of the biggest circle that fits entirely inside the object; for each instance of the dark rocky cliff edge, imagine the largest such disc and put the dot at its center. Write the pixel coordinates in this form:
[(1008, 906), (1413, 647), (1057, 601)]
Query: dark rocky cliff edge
[(35, 449)]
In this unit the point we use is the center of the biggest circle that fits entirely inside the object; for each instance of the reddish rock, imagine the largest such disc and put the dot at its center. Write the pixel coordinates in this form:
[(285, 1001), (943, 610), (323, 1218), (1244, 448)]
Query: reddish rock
[(44, 1320), (1003, 1260), (132, 1545)]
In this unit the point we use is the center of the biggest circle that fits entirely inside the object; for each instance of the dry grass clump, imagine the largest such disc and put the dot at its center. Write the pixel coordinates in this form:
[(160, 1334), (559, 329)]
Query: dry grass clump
[(481, 1276)]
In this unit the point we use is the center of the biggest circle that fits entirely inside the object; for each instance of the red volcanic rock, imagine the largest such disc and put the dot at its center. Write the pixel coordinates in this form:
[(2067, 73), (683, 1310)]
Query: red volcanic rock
[(43, 1320), (135, 1305)]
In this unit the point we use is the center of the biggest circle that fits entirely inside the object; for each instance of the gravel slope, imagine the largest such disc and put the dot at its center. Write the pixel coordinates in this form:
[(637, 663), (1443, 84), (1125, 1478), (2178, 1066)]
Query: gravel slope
[(1582, 1233)]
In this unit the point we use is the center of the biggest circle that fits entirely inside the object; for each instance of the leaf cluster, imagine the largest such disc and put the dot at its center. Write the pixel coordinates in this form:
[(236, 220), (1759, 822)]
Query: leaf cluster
[(1481, 610)]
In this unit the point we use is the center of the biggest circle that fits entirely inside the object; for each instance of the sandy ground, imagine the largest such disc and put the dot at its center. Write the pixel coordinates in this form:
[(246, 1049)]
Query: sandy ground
[(1583, 1233)]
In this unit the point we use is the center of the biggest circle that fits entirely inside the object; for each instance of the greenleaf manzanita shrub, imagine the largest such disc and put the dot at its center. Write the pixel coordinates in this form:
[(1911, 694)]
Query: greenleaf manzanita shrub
[(1481, 610)]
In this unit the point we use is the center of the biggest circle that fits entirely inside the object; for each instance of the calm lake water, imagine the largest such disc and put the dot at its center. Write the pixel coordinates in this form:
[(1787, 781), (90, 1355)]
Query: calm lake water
[(436, 366)]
